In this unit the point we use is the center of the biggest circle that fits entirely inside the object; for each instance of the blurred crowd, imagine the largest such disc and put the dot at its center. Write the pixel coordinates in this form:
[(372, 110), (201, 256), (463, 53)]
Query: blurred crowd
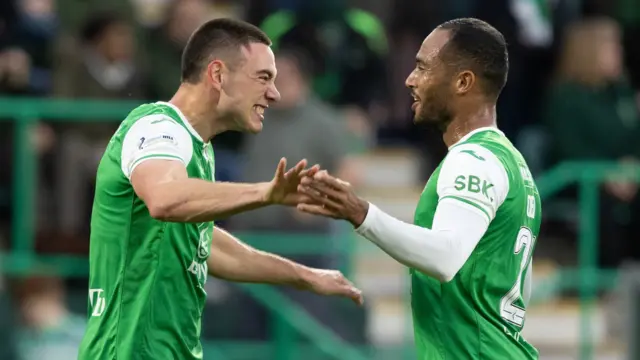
[(572, 94)]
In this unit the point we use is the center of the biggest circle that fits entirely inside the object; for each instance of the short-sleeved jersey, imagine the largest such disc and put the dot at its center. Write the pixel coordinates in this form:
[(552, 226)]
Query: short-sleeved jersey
[(479, 314), (146, 283)]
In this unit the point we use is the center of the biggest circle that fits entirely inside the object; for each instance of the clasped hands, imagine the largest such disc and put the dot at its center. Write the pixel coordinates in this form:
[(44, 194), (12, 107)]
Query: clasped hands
[(315, 191)]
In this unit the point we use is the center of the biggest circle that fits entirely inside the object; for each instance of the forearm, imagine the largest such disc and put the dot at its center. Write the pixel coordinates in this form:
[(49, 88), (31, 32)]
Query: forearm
[(233, 260), (439, 252), (195, 200)]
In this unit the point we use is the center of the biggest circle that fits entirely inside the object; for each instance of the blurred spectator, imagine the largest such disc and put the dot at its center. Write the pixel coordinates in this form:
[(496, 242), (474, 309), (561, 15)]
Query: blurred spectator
[(297, 127), (25, 40), (593, 114), (48, 330), (15, 66), (102, 66)]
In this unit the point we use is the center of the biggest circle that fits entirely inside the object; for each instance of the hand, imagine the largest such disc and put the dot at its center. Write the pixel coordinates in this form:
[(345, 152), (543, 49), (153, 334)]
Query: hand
[(283, 189), (332, 197), (332, 283)]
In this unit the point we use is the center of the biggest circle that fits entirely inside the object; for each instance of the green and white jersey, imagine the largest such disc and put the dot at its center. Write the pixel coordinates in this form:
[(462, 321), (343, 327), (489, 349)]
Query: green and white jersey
[(479, 313), (146, 283)]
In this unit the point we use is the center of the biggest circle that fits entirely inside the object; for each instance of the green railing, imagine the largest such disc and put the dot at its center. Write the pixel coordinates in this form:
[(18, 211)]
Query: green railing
[(24, 113), (588, 177)]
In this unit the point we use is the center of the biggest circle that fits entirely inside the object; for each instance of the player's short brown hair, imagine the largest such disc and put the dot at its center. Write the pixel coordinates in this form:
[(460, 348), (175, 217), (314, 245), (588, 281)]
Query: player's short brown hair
[(212, 39)]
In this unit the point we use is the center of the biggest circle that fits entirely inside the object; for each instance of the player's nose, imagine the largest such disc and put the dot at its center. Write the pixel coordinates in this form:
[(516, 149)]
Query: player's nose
[(410, 82), (272, 93)]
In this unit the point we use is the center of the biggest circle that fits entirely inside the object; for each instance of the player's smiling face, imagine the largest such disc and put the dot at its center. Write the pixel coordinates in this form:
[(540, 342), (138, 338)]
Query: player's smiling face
[(250, 89), (429, 82)]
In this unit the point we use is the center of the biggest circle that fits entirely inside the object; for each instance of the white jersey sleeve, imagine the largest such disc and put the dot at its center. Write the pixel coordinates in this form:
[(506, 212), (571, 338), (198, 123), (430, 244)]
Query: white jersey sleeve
[(155, 137), (473, 175), (472, 185), (439, 252)]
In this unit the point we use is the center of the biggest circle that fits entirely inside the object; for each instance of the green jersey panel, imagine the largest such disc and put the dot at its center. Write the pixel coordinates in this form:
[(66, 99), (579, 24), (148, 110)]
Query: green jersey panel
[(480, 313), (147, 276)]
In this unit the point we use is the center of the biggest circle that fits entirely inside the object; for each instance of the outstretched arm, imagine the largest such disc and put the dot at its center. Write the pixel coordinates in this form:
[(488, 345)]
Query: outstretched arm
[(170, 195), (233, 260), (439, 252), (155, 154)]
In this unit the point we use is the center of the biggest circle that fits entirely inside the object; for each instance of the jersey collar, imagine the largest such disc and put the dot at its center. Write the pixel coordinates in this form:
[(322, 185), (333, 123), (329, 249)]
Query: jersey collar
[(184, 120), (470, 134)]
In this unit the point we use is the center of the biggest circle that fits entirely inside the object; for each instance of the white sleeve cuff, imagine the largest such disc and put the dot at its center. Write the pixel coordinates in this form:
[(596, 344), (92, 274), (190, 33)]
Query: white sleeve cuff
[(372, 213)]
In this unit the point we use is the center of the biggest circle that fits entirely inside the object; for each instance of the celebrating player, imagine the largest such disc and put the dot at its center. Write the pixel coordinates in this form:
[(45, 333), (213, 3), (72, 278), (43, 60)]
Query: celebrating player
[(153, 240), (479, 214)]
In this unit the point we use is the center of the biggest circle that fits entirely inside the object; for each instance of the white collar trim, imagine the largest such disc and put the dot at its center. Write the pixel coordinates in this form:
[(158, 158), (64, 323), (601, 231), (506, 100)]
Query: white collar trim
[(471, 133)]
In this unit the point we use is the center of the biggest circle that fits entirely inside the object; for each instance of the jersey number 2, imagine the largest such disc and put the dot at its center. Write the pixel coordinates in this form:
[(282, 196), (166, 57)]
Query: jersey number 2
[(508, 308)]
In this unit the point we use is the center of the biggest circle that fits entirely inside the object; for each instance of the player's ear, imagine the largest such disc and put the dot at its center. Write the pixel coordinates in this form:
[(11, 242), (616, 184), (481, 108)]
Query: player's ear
[(465, 82), (215, 73)]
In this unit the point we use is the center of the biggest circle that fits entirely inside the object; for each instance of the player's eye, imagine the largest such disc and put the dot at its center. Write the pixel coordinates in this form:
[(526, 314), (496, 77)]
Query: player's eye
[(264, 78)]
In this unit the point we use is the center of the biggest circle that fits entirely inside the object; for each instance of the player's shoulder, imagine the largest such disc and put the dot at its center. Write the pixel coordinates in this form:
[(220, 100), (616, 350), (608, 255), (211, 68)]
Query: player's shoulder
[(154, 110), (473, 155), (156, 129), (158, 122), (473, 162)]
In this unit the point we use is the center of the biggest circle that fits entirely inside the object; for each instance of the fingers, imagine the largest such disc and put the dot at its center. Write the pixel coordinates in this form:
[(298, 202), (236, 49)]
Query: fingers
[(350, 291), (300, 166), (324, 177), (334, 283), (354, 294), (319, 197), (357, 297), (321, 188), (310, 171), (296, 170), (282, 164), (321, 193), (316, 209)]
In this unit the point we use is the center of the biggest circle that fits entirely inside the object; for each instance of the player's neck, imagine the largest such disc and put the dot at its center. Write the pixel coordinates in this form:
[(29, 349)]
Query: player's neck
[(467, 121), (200, 111)]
